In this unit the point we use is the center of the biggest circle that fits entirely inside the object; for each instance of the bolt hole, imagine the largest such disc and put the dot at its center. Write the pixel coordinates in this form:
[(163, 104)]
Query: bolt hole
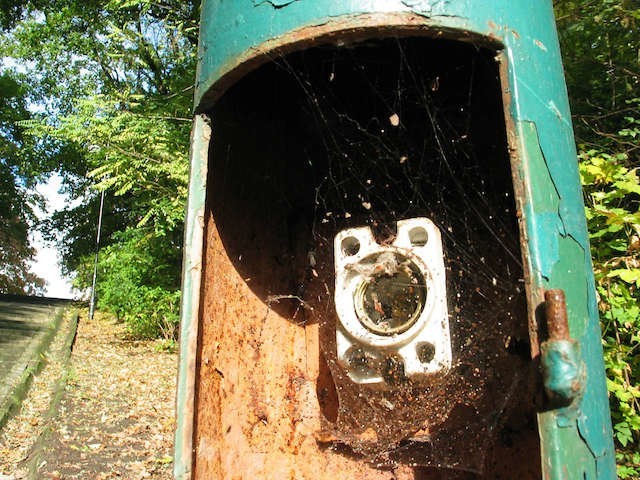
[(418, 237), (393, 371), (362, 362), (350, 246), (426, 351)]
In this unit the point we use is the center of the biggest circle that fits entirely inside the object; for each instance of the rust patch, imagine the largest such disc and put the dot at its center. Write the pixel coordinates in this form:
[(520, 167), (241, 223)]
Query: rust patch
[(540, 45), (258, 366), (556, 313), (535, 295), (264, 418), (368, 436)]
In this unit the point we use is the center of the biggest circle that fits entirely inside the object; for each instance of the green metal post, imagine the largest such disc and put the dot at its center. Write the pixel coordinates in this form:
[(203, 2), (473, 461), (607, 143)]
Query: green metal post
[(191, 277), (236, 36)]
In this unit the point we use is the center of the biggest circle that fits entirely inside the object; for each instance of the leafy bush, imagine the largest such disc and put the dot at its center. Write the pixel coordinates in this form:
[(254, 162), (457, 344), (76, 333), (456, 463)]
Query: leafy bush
[(154, 313), (613, 196), (139, 282)]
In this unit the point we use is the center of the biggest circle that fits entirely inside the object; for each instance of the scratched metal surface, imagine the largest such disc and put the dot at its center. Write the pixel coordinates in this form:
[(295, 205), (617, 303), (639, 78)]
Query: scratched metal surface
[(190, 307), (545, 169)]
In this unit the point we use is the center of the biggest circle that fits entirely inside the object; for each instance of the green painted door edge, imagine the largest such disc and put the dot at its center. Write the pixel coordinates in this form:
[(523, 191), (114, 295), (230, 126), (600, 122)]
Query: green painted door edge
[(236, 36), (190, 307), (576, 441)]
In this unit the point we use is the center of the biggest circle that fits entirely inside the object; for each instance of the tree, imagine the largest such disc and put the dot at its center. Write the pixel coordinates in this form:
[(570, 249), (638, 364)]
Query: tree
[(600, 51), (116, 80), (16, 176)]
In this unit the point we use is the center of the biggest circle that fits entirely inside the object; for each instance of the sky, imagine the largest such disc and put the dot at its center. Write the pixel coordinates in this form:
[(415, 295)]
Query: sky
[(46, 263)]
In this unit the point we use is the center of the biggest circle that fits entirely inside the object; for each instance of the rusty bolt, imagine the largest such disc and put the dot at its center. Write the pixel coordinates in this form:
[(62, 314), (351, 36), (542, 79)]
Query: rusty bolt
[(556, 313)]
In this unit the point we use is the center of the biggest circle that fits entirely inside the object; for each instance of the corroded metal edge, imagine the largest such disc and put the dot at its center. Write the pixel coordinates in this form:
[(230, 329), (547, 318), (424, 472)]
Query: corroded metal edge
[(534, 294), (340, 31), (567, 453), (190, 306)]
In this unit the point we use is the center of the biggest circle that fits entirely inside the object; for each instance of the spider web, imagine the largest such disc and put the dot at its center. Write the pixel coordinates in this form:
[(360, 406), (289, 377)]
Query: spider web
[(338, 137)]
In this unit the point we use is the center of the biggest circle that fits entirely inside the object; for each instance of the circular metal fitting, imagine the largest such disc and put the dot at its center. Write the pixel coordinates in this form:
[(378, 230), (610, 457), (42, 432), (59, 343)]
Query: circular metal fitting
[(389, 301)]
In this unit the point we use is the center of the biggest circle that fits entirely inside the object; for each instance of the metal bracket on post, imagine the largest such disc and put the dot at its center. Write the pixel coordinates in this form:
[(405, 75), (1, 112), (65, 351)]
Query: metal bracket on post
[(563, 370)]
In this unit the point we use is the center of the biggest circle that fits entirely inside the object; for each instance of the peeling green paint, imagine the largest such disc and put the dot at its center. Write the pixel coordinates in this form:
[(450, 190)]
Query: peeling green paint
[(569, 274), (273, 3), (558, 249), (543, 207), (563, 371), (564, 455)]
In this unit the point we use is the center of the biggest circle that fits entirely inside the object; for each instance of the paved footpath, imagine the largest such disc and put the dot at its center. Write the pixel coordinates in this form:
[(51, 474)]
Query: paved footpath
[(27, 325)]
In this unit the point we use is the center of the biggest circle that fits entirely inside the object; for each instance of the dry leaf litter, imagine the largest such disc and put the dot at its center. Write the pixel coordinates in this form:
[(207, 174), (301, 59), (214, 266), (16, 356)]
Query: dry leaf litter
[(115, 419)]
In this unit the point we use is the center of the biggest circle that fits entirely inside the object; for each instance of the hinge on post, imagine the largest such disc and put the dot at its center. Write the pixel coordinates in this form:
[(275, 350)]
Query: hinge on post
[(563, 371)]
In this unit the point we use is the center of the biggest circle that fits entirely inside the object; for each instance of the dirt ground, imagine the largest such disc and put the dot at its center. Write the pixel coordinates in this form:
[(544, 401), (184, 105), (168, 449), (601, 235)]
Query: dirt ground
[(105, 413)]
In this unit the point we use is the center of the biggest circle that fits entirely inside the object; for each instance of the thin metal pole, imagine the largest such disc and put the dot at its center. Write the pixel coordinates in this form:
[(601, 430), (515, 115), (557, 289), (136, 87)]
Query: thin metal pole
[(92, 303)]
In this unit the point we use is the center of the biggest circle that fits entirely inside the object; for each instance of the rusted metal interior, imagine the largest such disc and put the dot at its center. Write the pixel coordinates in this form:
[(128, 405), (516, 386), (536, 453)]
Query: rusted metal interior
[(336, 137)]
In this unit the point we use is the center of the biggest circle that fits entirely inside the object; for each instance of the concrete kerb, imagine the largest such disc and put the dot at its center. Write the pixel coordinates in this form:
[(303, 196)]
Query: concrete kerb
[(33, 462), (33, 358)]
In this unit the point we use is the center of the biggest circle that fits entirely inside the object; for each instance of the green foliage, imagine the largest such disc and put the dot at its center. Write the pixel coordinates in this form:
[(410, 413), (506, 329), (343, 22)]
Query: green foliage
[(16, 201), (600, 51), (613, 196), (114, 79), (137, 288), (131, 151)]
